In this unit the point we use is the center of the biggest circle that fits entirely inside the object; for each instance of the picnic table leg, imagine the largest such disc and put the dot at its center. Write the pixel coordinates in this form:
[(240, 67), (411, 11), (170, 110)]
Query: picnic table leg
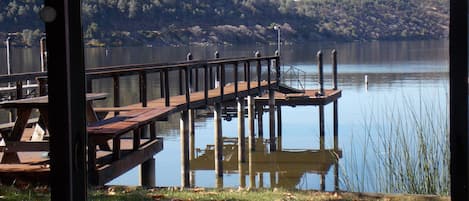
[(20, 124), (91, 115), (137, 136), (116, 148)]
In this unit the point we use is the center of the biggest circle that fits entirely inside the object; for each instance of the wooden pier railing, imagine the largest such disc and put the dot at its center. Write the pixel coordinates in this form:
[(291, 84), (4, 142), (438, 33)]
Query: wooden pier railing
[(202, 69)]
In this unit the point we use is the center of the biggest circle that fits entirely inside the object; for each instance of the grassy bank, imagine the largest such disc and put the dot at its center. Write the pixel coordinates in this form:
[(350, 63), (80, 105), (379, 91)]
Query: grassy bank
[(174, 194)]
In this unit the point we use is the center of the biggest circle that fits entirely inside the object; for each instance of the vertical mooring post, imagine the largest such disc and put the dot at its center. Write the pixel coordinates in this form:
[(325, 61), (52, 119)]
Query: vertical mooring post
[(216, 82), (259, 73), (279, 127), (191, 145), (8, 57), (218, 136), (335, 104), (184, 135), (147, 173), (334, 69), (273, 146), (190, 80), (251, 114), (191, 134), (42, 43), (241, 132), (321, 76)]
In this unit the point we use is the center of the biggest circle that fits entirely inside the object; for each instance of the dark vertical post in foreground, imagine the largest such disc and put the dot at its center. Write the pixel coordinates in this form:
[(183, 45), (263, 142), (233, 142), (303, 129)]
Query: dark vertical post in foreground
[(458, 64), (66, 76)]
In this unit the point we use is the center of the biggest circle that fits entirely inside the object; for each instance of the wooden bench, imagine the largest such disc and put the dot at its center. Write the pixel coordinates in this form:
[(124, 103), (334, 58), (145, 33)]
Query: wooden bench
[(114, 128)]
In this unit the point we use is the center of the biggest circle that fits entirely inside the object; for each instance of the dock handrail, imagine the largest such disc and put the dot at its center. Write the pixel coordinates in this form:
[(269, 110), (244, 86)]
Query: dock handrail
[(186, 69)]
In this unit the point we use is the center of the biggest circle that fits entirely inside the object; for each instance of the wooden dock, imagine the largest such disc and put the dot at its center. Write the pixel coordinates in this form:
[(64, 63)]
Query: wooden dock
[(119, 153)]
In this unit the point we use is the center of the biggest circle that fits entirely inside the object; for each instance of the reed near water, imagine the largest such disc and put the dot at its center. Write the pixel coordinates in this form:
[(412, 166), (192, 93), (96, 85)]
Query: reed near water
[(409, 146)]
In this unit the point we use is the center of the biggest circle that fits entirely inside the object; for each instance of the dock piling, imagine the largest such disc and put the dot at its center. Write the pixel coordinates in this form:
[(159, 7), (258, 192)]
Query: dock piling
[(218, 141), (184, 135), (147, 173), (251, 114), (241, 132), (321, 75)]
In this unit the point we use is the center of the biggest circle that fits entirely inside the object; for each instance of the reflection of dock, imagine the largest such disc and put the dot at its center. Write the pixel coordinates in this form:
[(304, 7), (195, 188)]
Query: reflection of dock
[(289, 166)]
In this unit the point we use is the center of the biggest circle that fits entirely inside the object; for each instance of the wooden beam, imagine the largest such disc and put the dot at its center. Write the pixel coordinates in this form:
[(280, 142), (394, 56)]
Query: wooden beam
[(66, 76), (458, 100)]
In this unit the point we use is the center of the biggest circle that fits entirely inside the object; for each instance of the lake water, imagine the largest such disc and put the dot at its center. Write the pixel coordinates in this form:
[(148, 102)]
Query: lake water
[(407, 90)]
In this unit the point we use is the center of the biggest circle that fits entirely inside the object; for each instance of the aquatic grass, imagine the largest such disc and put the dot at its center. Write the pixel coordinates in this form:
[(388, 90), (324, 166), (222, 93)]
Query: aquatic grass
[(409, 148)]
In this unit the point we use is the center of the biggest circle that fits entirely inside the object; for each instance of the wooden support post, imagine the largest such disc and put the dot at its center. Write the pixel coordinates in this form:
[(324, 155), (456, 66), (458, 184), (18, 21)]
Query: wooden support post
[(191, 144), (273, 146), (279, 127), (321, 126), (277, 69), (8, 56), (245, 71), (259, 73), (242, 175), (162, 93), (211, 79), (189, 57), (248, 77), (184, 135), (236, 79), (181, 84), (191, 134), (252, 174), (321, 76), (241, 132), (272, 179), (42, 44), (334, 69), (323, 182), (142, 77), (261, 180), (251, 114), (218, 141), (147, 173), (336, 124), (19, 90), (222, 82), (336, 175), (217, 72), (115, 79), (66, 76), (187, 88), (166, 88), (196, 78), (206, 84), (260, 126)]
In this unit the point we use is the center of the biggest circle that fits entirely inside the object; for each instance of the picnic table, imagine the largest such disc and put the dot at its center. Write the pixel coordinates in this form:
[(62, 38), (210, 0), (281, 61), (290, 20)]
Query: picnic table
[(24, 109)]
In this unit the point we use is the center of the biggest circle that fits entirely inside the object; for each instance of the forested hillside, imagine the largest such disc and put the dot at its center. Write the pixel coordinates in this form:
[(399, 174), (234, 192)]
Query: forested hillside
[(184, 22)]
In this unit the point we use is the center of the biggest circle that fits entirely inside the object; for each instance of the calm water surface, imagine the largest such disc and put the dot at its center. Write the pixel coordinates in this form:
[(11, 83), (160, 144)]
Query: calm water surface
[(401, 75)]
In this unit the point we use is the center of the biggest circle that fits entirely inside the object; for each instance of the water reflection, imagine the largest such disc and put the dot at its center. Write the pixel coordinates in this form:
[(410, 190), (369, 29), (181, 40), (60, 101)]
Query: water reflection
[(285, 168)]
